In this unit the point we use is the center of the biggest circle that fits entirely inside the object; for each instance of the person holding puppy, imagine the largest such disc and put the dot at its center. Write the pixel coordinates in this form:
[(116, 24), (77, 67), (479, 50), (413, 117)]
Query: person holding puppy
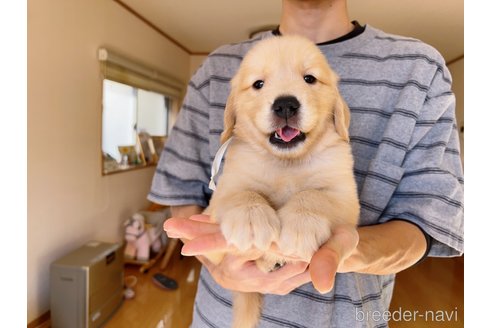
[(407, 167)]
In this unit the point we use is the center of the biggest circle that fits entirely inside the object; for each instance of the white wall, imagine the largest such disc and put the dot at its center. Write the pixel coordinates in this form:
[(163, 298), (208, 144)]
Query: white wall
[(69, 201)]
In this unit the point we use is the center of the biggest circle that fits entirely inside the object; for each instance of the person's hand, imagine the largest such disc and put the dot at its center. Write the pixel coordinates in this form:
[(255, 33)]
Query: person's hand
[(240, 272), (338, 254), (234, 272)]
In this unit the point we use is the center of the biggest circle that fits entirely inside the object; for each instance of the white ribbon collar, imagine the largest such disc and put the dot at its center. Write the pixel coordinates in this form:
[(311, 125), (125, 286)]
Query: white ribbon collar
[(216, 163)]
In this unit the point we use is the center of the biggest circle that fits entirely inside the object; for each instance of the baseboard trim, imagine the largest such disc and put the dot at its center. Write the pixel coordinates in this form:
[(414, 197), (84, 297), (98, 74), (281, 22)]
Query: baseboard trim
[(42, 322)]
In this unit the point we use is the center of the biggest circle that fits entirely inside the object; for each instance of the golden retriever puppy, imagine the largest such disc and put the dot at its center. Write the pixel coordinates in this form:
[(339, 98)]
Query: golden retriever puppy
[(288, 171)]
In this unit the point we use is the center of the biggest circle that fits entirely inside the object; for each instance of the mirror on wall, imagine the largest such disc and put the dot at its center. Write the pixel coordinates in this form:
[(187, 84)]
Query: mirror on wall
[(139, 106), (135, 125)]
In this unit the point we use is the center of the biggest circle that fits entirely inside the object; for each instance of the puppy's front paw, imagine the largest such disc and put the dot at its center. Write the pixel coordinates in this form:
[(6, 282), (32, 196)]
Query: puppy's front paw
[(302, 235), (250, 225), (270, 262)]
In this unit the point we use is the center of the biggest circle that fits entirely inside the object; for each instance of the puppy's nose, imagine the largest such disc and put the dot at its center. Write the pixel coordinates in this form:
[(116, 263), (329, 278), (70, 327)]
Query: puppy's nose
[(286, 106)]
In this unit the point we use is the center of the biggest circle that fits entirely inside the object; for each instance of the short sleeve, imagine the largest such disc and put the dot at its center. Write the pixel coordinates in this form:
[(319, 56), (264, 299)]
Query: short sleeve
[(430, 193), (183, 171)]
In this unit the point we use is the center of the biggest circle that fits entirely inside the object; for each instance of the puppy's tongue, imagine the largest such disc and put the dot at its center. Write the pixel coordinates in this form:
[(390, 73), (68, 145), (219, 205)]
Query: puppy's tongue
[(287, 133)]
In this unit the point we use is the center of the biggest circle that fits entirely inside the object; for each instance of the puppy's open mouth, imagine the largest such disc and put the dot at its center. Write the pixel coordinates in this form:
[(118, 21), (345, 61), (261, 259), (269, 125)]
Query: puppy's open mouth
[(287, 137)]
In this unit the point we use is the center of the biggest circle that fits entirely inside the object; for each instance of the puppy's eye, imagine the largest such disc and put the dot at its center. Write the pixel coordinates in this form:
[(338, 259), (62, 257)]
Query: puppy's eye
[(258, 84), (309, 79)]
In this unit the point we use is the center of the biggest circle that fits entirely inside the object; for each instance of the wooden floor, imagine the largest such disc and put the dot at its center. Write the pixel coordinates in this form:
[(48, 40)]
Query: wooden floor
[(432, 286), (433, 291), (152, 304)]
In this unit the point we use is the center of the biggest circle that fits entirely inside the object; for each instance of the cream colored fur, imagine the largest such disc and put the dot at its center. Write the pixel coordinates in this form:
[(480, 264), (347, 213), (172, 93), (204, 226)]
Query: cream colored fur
[(292, 197)]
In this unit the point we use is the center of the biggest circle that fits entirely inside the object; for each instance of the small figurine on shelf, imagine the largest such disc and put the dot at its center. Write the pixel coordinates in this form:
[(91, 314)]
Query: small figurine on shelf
[(140, 238)]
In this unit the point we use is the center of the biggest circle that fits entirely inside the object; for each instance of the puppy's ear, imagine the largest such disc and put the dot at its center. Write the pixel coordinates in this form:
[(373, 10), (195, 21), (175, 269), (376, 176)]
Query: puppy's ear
[(229, 118), (341, 116)]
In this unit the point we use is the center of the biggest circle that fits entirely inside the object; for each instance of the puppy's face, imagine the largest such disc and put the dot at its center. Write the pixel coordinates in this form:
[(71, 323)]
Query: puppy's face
[(284, 98)]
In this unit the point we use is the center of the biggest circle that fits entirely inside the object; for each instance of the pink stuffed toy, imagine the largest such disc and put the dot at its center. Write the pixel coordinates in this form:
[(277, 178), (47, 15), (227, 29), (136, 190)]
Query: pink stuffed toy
[(139, 239)]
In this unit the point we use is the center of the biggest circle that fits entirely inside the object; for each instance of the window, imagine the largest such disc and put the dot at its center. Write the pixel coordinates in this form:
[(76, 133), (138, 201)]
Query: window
[(139, 108)]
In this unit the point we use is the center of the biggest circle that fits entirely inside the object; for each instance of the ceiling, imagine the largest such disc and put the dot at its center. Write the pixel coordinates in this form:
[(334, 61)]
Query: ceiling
[(200, 26)]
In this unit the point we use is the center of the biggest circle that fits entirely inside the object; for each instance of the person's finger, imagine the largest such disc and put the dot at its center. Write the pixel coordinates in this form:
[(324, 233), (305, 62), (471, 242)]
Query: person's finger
[(205, 261), (288, 271), (323, 268), (294, 282), (250, 255), (344, 241), (213, 242), (240, 269), (285, 279), (326, 260), (188, 229), (201, 218)]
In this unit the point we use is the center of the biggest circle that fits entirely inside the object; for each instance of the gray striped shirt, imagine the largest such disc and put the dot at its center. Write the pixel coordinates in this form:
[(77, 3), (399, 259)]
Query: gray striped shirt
[(407, 165)]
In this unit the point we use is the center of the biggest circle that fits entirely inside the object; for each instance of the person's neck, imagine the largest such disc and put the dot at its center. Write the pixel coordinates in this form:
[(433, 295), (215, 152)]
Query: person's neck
[(318, 20)]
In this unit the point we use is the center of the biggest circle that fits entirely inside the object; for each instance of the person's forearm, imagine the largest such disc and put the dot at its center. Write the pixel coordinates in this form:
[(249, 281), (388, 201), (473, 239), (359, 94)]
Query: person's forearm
[(386, 248)]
